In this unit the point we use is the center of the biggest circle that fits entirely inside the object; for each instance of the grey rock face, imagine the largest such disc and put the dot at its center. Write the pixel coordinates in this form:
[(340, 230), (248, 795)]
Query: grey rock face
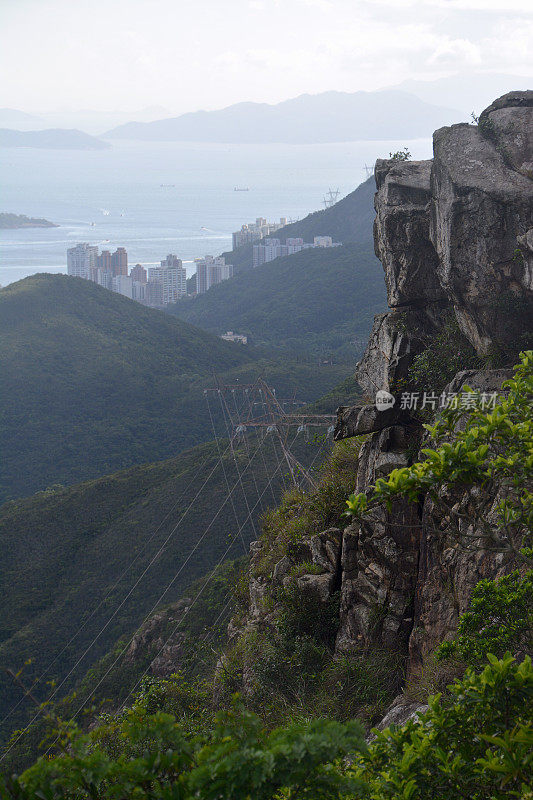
[(318, 587), (458, 230), (380, 558), (482, 380), (357, 420), (402, 204), (480, 208), (152, 638), (447, 572), (455, 232), (396, 338), (510, 121), (326, 549), (401, 711)]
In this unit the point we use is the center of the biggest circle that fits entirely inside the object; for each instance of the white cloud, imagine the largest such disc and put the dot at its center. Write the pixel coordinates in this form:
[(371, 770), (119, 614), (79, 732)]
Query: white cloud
[(186, 54), (456, 53)]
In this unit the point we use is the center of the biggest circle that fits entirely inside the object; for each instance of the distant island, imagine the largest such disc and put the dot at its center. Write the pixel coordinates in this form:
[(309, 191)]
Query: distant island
[(51, 139), (12, 221)]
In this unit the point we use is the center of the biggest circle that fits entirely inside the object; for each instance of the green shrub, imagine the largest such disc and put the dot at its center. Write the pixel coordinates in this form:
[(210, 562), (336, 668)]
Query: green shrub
[(301, 614), (401, 155), (446, 354), (155, 760), (476, 744), (302, 514), (499, 619), (483, 456)]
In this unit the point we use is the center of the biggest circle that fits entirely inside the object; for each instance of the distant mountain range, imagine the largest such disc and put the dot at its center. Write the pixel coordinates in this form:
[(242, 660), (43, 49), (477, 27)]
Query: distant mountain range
[(51, 139), (87, 120), (326, 117), (464, 92)]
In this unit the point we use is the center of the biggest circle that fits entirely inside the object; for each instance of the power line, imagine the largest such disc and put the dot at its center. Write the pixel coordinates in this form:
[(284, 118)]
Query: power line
[(108, 594), (56, 689), (119, 656), (198, 595)]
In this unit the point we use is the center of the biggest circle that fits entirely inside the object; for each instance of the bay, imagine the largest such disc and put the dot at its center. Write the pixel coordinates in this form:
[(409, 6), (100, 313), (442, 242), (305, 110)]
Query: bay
[(155, 198)]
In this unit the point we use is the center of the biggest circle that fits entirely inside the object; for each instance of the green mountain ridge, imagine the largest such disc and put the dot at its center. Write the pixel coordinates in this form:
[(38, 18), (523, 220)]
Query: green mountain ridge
[(93, 382), (319, 301), (15, 221)]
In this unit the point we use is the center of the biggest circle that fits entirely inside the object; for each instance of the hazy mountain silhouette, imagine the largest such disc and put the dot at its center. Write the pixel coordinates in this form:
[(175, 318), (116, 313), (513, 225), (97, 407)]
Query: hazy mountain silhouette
[(325, 117)]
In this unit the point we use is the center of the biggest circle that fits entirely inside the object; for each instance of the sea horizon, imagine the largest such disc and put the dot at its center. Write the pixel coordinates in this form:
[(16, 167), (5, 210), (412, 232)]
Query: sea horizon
[(155, 198)]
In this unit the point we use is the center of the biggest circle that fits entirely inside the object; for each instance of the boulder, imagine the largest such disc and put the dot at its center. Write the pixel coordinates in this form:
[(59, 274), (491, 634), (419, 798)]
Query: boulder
[(319, 587), (357, 420), (326, 549), (481, 208)]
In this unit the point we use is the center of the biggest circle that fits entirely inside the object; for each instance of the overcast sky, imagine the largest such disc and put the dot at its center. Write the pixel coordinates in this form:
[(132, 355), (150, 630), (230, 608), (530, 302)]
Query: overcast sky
[(191, 54)]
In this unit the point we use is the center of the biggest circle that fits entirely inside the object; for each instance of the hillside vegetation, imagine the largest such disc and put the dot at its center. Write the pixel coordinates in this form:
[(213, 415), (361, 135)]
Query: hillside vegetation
[(318, 301), (93, 382), (65, 555)]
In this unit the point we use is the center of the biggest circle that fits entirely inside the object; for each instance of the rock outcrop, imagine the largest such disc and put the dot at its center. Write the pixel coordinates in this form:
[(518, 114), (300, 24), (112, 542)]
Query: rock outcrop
[(455, 237)]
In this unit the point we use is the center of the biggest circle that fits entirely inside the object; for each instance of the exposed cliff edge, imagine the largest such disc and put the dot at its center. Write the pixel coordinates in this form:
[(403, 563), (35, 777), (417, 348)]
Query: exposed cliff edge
[(455, 237)]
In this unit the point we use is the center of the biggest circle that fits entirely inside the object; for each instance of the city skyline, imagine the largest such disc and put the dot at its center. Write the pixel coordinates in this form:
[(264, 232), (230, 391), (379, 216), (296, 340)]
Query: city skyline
[(157, 287)]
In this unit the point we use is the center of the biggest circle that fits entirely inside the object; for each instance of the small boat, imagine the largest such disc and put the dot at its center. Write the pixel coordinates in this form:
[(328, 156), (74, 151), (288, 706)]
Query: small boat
[(241, 189)]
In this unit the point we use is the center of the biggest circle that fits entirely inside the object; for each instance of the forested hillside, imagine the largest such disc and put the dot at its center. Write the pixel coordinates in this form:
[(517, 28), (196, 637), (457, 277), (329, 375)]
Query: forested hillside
[(93, 382), (318, 301), (100, 555)]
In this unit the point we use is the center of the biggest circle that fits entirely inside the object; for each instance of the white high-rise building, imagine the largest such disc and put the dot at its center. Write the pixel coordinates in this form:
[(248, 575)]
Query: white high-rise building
[(105, 279), (172, 278), (81, 261), (123, 284), (210, 271), (254, 231), (323, 241), (269, 249), (139, 291)]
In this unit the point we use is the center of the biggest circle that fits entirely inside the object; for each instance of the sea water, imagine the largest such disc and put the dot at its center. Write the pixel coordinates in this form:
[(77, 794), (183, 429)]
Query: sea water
[(155, 198)]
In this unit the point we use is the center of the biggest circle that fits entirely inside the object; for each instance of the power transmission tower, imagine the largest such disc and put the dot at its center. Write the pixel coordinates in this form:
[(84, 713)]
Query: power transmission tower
[(265, 413), (331, 197)]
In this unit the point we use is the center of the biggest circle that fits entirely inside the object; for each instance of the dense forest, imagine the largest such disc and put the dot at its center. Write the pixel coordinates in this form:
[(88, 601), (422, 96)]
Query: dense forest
[(88, 371)]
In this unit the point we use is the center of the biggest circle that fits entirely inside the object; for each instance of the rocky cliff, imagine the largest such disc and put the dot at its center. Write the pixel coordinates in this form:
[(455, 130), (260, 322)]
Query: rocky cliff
[(455, 237)]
